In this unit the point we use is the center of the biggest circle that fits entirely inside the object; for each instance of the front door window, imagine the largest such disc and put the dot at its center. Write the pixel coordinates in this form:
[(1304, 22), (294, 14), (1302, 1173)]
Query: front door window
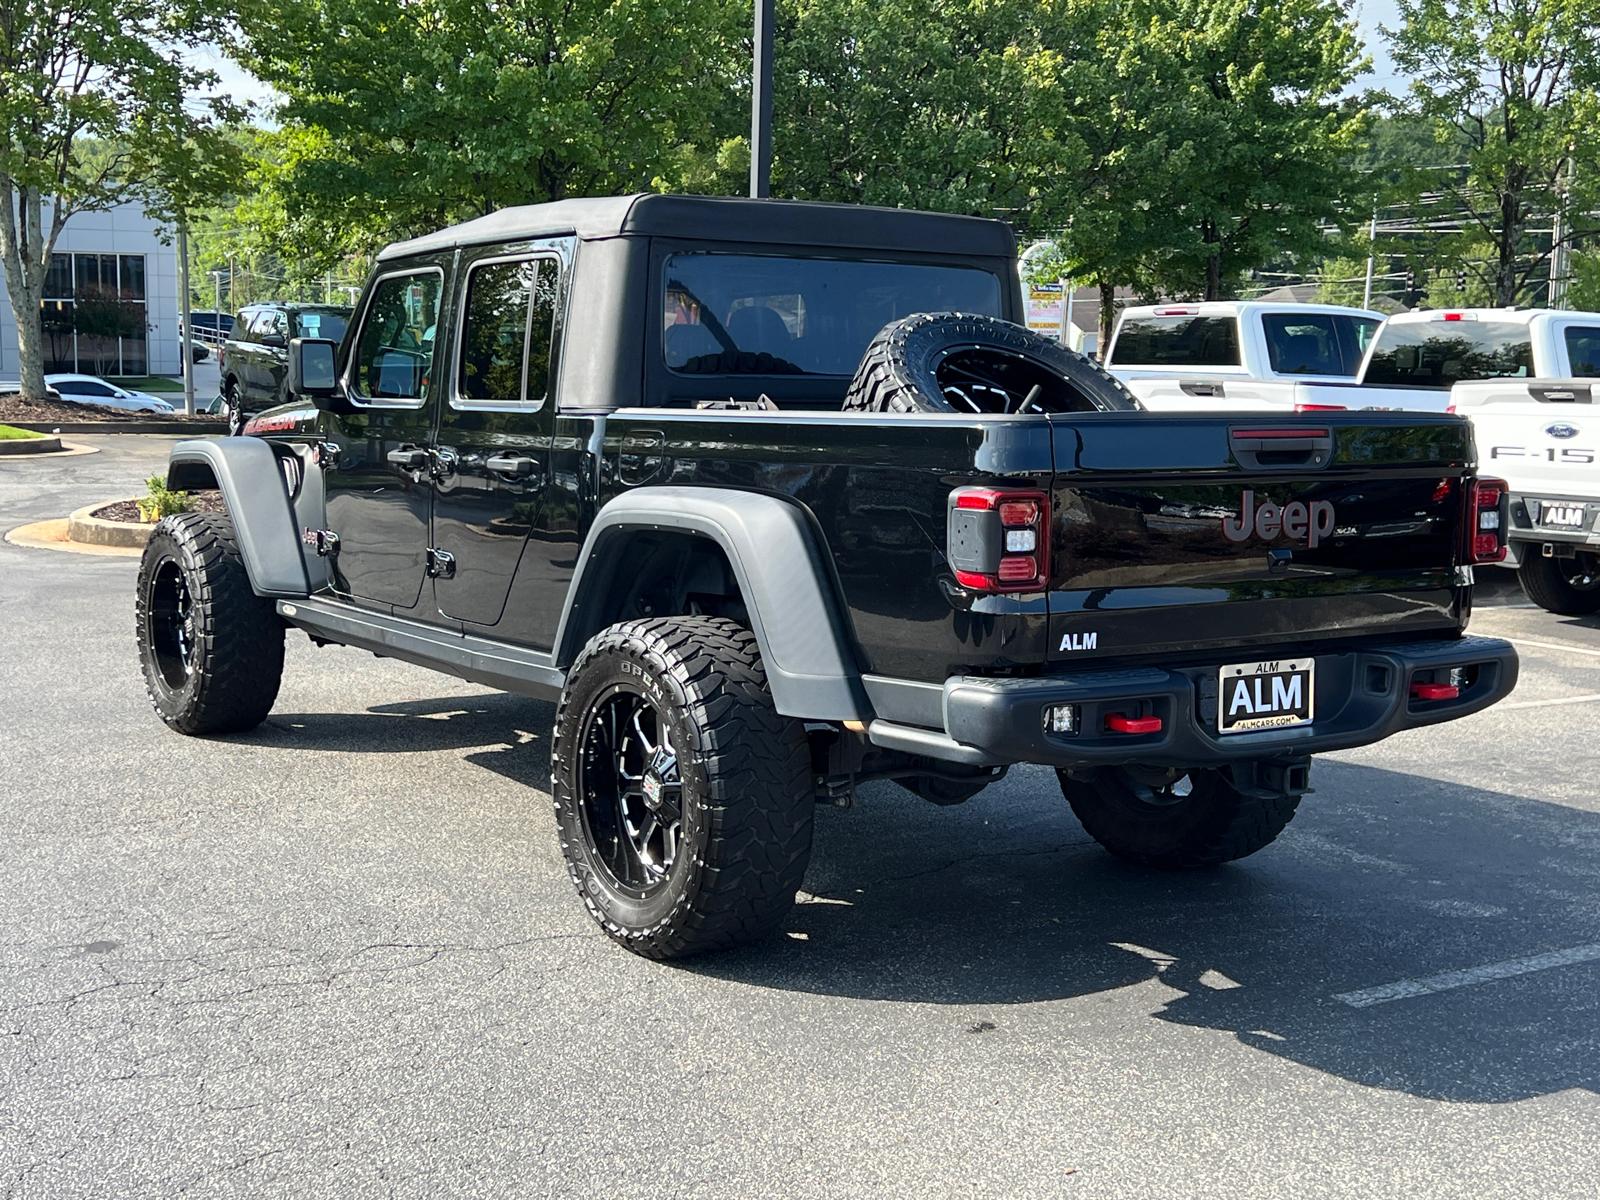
[(395, 352)]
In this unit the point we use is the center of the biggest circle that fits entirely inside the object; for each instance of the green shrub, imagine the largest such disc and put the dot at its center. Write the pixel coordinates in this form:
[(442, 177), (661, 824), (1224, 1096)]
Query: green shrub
[(161, 502)]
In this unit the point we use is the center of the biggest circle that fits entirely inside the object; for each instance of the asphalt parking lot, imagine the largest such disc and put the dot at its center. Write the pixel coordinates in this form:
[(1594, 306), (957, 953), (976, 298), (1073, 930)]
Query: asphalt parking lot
[(340, 956)]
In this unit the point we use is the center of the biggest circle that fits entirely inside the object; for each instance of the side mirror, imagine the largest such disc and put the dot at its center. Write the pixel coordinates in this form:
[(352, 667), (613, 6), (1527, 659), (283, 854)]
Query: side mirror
[(313, 374)]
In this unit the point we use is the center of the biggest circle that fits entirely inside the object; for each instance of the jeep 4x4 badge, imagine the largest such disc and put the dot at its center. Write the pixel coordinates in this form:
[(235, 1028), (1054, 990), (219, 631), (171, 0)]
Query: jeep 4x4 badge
[(1294, 520)]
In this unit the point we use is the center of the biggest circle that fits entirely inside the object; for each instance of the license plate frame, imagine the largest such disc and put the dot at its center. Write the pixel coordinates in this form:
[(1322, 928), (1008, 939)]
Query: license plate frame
[(1265, 684), (1555, 516)]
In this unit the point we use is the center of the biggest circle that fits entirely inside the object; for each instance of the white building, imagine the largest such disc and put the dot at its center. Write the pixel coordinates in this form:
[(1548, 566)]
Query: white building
[(114, 257)]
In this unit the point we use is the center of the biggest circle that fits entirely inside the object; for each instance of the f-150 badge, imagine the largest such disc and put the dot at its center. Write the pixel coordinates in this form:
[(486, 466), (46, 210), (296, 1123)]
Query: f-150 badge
[(1294, 520)]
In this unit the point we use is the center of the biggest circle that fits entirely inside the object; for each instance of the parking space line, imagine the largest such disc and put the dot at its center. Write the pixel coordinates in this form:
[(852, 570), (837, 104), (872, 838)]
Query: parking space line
[(1404, 989), (1589, 699), (1554, 646)]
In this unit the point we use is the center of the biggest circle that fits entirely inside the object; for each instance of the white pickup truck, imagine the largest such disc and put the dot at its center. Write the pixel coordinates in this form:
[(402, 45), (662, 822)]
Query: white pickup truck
[(1542, 436), (1412, 361), (1239, 355)]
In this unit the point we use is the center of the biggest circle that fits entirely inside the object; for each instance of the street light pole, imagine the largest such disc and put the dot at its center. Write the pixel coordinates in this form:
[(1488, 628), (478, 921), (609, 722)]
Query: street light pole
[(761, 102)]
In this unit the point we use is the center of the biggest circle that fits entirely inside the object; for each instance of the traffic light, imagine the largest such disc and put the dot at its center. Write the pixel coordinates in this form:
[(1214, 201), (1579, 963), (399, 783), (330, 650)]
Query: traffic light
[(1411, 280), (1461, 279)]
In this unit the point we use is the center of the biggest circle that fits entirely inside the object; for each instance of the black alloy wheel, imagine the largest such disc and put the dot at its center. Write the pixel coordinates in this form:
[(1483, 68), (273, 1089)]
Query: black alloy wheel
[(1568, 586), (210, 648), (683, 799), (631, 795), (171, 620)]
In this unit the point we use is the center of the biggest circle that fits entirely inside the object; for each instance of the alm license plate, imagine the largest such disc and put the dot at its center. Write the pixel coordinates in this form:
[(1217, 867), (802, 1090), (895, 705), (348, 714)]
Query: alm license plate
[(1565, 516), (1265, 695)]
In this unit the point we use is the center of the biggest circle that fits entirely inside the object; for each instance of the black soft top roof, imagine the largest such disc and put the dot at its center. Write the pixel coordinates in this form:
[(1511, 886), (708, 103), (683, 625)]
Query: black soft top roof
[(728, 219)]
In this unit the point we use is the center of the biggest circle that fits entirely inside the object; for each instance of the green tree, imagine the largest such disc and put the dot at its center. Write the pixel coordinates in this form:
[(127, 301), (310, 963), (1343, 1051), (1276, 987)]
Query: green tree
[(1509, 86), (93, 113), (928, 104), (403, 117)]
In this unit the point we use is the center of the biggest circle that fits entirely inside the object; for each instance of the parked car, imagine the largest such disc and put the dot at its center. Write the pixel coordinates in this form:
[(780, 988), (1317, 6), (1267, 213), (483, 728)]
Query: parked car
[(1543, 437), (1412, 362), (253, 363), (210, 326), (90, 389), (704, 472), (1236, 354)]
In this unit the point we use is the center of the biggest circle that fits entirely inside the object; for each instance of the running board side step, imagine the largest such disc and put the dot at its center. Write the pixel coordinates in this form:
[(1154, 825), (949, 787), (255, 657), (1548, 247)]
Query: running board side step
[(928, 743), (478, 660)]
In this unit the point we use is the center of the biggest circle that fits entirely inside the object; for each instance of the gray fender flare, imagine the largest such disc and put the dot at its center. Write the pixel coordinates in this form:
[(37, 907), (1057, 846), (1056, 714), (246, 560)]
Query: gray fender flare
[(784, 577), (247, 472)]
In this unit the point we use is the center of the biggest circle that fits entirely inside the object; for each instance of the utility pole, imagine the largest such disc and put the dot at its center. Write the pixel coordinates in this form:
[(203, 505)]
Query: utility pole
[(761, 102), (184, 334), (1372, 245), (1557, 294), (1068, 286)]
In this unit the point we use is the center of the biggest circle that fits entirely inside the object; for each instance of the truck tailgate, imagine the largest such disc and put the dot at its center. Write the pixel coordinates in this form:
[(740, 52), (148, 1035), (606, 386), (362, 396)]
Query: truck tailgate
[(1169, 531), (1541, 436)]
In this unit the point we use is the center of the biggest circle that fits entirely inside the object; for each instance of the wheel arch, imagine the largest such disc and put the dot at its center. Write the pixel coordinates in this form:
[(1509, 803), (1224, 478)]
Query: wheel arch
[(774, 555), (247, 472)]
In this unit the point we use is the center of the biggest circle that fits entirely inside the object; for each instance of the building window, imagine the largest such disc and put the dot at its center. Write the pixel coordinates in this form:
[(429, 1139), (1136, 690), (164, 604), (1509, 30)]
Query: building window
[(96, 318)]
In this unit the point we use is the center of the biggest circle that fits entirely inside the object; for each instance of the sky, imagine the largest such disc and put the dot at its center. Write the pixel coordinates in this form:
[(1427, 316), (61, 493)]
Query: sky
[(243, 86)]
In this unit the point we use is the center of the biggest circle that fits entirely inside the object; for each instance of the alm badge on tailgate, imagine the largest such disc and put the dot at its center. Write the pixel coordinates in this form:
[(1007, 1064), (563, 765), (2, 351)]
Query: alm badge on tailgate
[(1265, 695)]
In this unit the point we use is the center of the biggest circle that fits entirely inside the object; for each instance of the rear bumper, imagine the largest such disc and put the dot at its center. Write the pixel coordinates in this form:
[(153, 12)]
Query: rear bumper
[(1524, 528), (1361, 697)]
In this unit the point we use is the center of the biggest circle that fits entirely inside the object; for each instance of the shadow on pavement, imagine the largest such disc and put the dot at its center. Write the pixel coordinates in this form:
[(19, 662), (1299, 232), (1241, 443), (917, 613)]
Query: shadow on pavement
[(413, 726), (1384, 876)]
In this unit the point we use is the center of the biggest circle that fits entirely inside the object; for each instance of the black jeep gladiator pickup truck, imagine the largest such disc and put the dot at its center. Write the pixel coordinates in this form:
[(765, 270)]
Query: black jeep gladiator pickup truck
[(707, 473)]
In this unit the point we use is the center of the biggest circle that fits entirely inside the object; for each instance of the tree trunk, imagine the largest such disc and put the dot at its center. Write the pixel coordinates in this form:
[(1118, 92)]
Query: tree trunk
[(1506, 238), (1108, 316), (1208, 231), (26, 258)]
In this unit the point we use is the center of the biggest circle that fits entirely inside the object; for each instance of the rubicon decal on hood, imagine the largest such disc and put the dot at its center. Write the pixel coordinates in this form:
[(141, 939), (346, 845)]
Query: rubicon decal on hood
[(1296, 521)]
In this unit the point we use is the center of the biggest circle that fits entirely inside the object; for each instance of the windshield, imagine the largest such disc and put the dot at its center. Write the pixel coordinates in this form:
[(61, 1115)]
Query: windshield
[(1440, 354), (1177, 341), (1316, 343), (326, 323), (744, 314)]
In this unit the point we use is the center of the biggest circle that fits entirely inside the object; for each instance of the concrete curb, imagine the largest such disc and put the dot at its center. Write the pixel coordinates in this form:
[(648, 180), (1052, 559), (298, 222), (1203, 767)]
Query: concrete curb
[(88, 530), (52, 535), (16, 447), (185, 429)]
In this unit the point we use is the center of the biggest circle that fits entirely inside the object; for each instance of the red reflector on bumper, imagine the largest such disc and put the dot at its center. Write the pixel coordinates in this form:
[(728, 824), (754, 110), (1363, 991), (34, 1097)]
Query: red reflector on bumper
[(1435, 691), (1118, 723)]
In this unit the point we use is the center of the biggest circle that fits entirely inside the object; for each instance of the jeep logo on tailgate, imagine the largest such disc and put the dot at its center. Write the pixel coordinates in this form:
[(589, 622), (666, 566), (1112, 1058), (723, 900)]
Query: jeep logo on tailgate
[(1295, 521)]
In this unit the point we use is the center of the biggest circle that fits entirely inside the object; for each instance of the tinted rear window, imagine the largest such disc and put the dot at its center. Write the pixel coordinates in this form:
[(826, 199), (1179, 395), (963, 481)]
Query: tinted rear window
[(1316, 343), (321, 324), (1440, 354), (739, 314), (1177, 341), (1583, 349)]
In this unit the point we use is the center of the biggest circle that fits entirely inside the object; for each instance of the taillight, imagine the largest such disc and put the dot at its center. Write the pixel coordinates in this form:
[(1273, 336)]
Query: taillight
[(1487, 510), (999, 540)]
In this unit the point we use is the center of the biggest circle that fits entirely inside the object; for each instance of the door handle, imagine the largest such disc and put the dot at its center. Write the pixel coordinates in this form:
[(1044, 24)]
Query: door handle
[(408, 457), (511, 464)]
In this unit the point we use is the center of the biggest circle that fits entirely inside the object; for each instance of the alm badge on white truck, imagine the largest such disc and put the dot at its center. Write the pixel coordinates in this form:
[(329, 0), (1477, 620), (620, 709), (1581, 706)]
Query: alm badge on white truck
[(1265, 695)]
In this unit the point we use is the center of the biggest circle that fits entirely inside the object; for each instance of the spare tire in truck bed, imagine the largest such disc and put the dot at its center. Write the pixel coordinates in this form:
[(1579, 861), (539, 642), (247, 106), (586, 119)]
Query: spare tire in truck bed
[(962, 362)]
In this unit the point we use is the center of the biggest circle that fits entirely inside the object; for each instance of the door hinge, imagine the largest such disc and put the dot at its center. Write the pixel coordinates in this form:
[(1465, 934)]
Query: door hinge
[(327, 455), (326, 541), (441, 564)]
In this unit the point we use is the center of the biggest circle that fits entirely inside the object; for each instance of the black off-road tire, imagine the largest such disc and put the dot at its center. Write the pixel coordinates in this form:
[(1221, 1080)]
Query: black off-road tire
[(233, 408), (1215, 823), (211, 649), (1568, 586), (745, 787), (962, 362)]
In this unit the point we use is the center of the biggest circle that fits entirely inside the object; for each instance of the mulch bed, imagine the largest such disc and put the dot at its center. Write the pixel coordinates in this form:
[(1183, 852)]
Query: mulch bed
[(14, 408), (209, 501)]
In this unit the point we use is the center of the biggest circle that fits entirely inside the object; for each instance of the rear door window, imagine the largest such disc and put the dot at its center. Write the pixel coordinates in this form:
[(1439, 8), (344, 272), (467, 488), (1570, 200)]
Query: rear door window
[(395, 351), (1442, 353), (1316, 343), (1583, 350), (1177, 341), (506, 334)]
